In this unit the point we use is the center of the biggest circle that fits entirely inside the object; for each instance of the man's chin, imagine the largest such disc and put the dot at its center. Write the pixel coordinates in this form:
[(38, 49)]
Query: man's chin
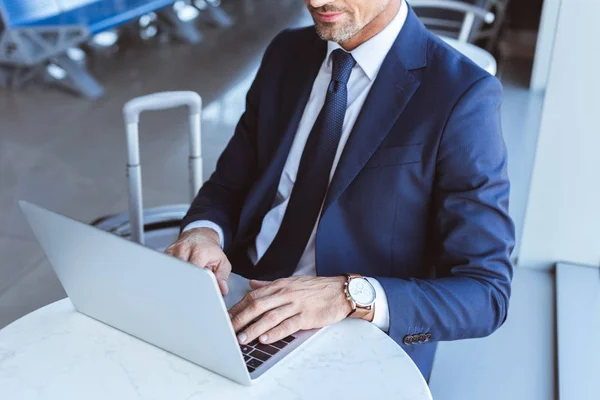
[(331, 32), (325, 33)]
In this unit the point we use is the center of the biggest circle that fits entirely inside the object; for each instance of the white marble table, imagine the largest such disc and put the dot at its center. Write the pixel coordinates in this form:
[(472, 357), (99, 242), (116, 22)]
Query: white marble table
[(57, 353)]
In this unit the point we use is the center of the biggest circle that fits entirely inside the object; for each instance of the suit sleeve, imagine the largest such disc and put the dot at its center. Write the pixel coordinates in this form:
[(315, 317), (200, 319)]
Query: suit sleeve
[(473, 233), (221, 198)]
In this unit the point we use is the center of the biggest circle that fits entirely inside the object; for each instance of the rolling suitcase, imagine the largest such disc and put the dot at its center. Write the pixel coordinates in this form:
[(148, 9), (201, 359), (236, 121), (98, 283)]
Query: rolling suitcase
[(157, 227)]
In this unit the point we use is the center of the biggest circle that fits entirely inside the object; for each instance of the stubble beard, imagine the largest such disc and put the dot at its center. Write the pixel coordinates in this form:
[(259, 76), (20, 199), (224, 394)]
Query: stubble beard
[(339, 34), (329, 31)]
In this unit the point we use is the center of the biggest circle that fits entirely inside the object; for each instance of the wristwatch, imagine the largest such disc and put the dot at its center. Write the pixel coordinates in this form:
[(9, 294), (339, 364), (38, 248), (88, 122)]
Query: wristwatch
[(361, 295)]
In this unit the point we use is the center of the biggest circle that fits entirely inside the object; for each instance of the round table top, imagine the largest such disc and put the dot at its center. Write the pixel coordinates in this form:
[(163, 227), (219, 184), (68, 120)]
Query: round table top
[(58, 353), (478, 55)]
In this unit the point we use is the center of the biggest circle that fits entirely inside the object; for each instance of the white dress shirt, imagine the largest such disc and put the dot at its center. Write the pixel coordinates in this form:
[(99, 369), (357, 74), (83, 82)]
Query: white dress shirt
[(369, 57)]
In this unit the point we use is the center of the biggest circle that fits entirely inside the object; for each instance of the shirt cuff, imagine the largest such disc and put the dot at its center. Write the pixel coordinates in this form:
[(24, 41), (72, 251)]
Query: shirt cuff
[(211, 225), (381, 319)]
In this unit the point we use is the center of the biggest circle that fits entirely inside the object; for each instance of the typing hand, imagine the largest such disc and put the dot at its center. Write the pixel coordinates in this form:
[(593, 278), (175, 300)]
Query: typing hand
[(202, 248), (284, 307)]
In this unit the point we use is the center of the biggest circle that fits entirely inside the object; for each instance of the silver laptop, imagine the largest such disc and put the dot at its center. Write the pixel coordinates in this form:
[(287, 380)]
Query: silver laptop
[(152, 296)]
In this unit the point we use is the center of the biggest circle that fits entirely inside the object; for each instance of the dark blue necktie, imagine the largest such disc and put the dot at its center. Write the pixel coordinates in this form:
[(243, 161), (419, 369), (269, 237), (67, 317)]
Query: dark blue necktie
[(312, 180)]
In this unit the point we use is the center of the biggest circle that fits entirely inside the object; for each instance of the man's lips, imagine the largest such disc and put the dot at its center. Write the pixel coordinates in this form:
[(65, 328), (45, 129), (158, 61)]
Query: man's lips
[(328, 16)]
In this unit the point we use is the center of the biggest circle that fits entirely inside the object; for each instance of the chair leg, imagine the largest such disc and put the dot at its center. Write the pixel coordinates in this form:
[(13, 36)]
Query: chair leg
[(77, 78), (217, 15), (182, 30), (500, 12), (16, 77)]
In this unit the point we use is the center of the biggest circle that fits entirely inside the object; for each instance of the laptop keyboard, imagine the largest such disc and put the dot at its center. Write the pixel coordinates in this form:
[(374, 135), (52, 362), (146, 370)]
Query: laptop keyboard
[(256, 353)]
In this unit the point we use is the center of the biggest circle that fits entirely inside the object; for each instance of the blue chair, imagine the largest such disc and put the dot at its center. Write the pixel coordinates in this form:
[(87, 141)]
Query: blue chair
[(32, 32)]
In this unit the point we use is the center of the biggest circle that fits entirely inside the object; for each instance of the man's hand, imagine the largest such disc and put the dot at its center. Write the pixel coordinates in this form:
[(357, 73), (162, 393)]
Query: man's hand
[(202, 248), (289, 305)]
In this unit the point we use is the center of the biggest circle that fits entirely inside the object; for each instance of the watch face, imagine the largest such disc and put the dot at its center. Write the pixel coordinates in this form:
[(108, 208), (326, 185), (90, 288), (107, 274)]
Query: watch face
[(362, 291)]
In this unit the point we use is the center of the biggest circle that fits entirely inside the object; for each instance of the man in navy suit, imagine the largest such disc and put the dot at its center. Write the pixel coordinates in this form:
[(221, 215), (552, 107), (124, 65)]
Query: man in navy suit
[(366, 179)]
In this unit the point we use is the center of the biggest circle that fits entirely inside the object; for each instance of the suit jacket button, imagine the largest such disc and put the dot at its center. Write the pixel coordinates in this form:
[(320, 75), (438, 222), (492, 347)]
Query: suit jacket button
[(422, 338), (428, 337), (408, 339)]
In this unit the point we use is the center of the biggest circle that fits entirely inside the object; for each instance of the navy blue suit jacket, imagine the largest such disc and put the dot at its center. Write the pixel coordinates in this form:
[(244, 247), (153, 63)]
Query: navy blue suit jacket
[(419, 199)]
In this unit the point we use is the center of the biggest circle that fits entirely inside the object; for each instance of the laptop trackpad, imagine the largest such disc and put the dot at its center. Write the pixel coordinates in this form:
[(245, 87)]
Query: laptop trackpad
[(238, 287)]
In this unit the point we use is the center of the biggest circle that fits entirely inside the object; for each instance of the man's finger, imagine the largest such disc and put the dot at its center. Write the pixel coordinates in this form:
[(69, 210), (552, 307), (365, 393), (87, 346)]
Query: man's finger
[(222, 274), (202, 260), (253, 307), (223, 286), (254, 284), (284, 329), (267, 322), (222, 271), (247, 299)]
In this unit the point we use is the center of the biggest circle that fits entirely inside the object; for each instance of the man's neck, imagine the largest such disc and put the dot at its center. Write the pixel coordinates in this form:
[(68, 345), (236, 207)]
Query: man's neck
[(374, 27)]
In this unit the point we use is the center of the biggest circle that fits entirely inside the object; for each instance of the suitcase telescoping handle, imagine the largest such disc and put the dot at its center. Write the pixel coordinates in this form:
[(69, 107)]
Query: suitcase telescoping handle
[(132, 111)]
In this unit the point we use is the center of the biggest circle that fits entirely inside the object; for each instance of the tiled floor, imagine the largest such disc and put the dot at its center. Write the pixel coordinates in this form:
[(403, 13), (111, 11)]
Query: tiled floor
[(68, 154)]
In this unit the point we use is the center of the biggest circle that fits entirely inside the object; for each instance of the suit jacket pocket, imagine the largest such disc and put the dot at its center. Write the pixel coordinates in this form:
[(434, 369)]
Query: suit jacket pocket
[(398, 155)]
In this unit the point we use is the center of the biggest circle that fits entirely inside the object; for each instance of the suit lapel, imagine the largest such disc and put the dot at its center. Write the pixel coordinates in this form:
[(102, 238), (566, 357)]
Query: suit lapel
[(389, 95)]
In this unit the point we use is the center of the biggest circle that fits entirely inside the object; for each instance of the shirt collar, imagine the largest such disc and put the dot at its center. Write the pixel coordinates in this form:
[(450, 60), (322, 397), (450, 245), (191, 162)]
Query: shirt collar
[(370, 55)]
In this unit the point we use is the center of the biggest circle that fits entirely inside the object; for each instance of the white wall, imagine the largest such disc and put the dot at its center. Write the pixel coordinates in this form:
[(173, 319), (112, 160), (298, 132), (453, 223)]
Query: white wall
[(562, 221), (545, 45)]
